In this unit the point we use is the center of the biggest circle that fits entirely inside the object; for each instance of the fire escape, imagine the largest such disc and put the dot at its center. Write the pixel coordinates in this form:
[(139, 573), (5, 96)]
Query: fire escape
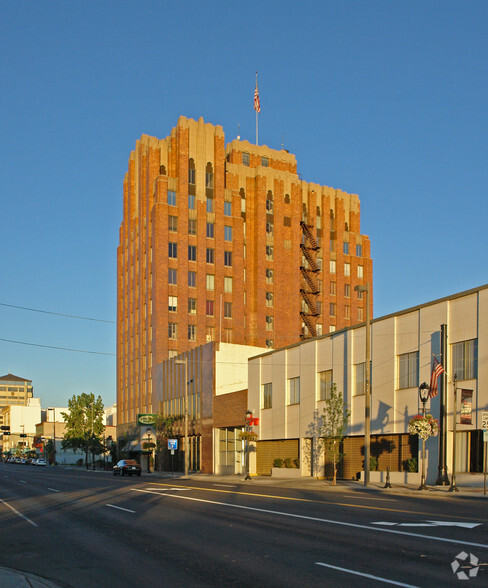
[(309, 290)]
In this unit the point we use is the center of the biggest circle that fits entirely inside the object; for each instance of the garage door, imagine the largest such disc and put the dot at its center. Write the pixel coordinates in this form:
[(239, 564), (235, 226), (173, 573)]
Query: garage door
[(268, 451)]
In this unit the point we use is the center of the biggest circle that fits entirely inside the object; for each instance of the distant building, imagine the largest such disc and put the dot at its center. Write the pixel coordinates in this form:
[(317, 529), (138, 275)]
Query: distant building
[(14, 391), (227, 244), (22, 421)]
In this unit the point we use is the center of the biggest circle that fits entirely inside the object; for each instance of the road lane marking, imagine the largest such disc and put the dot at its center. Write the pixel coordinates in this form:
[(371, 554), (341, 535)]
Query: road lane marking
[(430, 524), (120, 508), (22, 481), (54, 490), (18, 513), (316, 519), (363, 506), (168, 489), (226, 485), (371, 577)]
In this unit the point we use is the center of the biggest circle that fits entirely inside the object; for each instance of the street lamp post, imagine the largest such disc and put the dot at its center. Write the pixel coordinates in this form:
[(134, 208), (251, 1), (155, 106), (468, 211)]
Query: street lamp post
[(54, 434), (248, 428), (453, 487), (367, 399), (424, 389), (185, 363)]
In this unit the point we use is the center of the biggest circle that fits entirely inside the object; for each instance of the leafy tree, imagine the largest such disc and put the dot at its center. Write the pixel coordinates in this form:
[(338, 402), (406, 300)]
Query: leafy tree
[(164, 427), (84, 425), (335, 418)]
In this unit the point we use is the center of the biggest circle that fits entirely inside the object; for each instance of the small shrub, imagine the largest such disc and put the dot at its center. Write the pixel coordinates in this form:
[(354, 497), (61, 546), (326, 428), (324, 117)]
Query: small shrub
[(278, 463), (410, 464), (373, 463), (288, 462), (296, 461)]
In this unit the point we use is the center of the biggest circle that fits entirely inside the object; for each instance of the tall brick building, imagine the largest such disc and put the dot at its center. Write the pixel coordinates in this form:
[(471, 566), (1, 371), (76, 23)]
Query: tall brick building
[(227, 243)]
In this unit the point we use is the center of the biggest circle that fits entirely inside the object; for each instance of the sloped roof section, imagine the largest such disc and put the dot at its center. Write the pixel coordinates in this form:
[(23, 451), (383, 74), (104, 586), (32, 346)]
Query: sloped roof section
[(12, 378)]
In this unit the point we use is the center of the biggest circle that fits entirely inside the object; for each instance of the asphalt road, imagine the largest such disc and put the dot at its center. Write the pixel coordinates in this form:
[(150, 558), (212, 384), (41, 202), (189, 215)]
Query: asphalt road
[(91, 529)]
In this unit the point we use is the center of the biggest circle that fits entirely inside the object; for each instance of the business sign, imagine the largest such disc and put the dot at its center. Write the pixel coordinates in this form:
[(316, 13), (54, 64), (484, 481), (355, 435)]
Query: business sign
[(146, 419), (466, 404), (485, 436), (172, 444)]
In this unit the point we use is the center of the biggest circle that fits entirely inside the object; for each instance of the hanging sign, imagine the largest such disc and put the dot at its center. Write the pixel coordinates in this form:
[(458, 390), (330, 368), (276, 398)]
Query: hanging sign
[(466, 404)]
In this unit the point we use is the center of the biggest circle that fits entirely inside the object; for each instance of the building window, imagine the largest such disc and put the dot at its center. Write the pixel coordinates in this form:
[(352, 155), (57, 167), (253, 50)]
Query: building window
[(172, 276), (333, 288), (325, 384), (173, 250), (210, 282), (227, 208), (293, 390), (228, 258), (359, 379), (269, 323), (360, 271), (210, 205), (269, 252), (269, 298), (264, 161), (347, 311), (359, 250), (191, 173), (228, 337), (408, 370), (171, 197), (172, 223), (192, 252), (192, 332), (210, 335), (332, 328), (269, 343), (210, 255), (347, 290), (267, 398), (269, 205), (347, 269), (210, 230), (192, 226), (209, 177), (332, 266), (332, 309), (465, 359), (269, 276), (192, 306), (227, 309), (360, 294), (172, 303), (360, 314), (192, 279), (269, 228), (172, 330), (345, 248), (227, 233), (245, 158), (227, 284), (191, 201), (209, 308)]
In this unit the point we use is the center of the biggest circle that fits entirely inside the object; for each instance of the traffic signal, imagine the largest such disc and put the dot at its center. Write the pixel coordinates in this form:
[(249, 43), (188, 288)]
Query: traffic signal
[(6, 432), (23, 435), (5, 428)]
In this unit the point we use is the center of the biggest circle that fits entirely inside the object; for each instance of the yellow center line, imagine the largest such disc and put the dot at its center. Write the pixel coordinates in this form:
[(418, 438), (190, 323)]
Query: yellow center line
[(449, 516)]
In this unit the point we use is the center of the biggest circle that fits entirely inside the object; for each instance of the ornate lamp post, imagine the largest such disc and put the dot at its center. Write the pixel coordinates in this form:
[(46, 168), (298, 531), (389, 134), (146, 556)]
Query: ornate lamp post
[(424, 390)]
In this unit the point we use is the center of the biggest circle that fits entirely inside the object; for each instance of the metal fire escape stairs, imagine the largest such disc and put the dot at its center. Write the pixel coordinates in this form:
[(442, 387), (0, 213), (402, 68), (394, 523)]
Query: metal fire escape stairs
[(309, 288)]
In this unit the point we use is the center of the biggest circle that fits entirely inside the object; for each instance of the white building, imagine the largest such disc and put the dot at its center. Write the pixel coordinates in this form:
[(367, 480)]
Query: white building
[(288, 387), (22, 421)]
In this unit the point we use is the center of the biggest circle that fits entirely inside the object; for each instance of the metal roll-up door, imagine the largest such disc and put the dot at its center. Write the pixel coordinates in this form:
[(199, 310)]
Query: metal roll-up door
[(268, 451)]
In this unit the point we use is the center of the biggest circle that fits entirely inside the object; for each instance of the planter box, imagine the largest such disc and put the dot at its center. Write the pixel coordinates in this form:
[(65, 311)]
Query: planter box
[(286, 473), (395, 477)]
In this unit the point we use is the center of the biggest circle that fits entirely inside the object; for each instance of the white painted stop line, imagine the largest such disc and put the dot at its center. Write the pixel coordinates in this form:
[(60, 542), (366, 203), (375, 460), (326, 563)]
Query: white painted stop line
[(377, 578)]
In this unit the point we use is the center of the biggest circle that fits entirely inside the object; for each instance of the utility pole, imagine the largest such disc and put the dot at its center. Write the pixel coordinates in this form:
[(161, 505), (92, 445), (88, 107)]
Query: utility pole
[(185, 363)]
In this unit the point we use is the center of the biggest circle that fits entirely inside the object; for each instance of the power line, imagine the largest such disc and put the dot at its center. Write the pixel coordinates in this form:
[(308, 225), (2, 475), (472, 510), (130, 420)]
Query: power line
[(85, 318), (58, 348)]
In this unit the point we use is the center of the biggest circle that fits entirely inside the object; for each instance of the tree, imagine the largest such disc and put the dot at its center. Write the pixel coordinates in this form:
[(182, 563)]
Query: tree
[(164, 431), (335, 418), (84, 425)]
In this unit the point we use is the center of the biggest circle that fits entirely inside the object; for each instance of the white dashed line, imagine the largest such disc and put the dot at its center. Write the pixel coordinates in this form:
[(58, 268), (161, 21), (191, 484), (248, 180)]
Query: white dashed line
[(18, 513), (120, 508), (377, 578)]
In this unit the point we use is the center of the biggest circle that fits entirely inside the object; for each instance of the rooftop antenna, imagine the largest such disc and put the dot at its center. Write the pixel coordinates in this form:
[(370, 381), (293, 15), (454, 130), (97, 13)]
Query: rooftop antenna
[(282, 140), (238, 131)]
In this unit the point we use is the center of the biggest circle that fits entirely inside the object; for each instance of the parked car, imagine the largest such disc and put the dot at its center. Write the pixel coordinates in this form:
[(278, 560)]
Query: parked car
[(127, 466), (41, 462)]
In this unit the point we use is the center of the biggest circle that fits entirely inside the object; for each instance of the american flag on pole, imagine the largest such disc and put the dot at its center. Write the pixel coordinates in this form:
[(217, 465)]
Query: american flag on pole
[(437, 370), (257, 106)]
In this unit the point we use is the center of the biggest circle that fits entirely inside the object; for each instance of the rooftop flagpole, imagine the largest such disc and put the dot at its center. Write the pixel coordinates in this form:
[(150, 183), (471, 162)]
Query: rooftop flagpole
[(257, 106)]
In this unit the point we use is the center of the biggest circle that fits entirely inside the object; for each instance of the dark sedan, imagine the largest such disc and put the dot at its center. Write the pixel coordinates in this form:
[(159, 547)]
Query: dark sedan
[(127, 466)]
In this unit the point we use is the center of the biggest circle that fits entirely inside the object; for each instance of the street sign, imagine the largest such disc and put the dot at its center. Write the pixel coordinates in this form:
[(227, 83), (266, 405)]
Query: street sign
[(172, 444), (484, 419)]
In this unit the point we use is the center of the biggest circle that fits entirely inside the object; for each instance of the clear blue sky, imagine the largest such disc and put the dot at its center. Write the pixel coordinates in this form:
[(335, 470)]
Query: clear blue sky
[(387, 100)]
